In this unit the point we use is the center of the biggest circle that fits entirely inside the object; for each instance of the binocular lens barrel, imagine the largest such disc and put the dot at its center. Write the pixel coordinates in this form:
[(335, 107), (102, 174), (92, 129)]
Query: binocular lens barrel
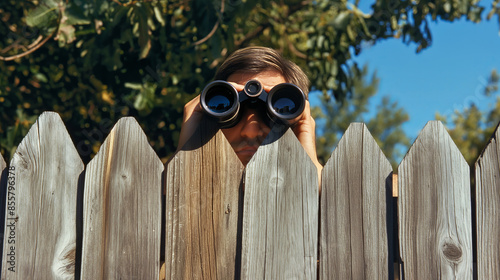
[(221, 100), (287, 101), (253, 88)]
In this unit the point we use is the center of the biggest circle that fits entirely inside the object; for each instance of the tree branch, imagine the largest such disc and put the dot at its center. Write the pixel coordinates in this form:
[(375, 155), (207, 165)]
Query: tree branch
[(295, 51), (35, 47), (257, 31), (9, 47), (209, 35), (36, 42), (124, 4), (250, 35), (201, 41)]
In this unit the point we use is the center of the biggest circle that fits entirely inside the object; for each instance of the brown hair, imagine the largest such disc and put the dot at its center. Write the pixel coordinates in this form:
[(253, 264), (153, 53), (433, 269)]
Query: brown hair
[(257, 59)]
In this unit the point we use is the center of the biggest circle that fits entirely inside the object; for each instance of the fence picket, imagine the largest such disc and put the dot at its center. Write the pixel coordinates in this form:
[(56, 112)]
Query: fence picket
[(3, 193), (3, 164), (227, 222), (434, 208), (356, 196), (41, 203), (203, 192), (488, 203), (122, 207), (280, 216)]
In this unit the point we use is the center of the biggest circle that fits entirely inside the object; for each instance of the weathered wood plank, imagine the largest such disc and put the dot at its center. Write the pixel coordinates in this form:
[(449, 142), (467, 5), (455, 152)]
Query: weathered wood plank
[(40, 221), (356, 195), (2, 163), (434, 208), (3, 194), (122, 207), (487, 210), (280, 216), (203, 192)]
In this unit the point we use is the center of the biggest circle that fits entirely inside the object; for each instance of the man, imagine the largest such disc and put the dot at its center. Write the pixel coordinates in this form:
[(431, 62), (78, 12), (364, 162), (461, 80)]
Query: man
[(270, 68)]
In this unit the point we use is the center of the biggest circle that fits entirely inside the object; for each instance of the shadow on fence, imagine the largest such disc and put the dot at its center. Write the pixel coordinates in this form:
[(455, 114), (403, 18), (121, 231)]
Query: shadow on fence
[(205, 215)]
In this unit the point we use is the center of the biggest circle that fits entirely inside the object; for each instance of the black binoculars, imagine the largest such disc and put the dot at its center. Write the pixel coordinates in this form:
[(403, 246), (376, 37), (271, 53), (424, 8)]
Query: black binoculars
[(220, 100)]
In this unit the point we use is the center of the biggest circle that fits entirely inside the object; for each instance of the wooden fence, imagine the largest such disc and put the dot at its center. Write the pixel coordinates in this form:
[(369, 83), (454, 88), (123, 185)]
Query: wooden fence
[(208, 217)]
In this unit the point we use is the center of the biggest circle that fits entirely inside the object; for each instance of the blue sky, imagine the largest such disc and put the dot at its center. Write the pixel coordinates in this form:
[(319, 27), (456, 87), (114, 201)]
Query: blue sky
[(446, 76)]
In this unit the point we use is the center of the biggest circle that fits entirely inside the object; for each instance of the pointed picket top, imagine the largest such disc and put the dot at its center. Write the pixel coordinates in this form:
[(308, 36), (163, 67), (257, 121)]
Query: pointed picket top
[(122, 207), (356, 197), (41, 213), (280, 216), (203, 193), (487, 205), (434, 208)]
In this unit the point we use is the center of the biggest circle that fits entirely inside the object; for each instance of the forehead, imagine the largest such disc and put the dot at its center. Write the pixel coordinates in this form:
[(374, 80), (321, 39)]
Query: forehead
[(268, 78)]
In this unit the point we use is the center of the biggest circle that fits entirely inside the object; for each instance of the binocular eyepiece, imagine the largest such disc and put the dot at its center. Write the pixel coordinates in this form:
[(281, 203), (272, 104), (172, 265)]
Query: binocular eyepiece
[(220, 100)]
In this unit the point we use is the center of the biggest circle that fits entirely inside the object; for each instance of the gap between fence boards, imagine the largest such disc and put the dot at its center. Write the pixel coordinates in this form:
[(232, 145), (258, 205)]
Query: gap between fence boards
[(394, 185)]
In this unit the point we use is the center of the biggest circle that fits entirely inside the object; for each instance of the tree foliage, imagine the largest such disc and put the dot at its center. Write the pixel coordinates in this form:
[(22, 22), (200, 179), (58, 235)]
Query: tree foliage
[(96, 61), (385, 124), (472, 128)]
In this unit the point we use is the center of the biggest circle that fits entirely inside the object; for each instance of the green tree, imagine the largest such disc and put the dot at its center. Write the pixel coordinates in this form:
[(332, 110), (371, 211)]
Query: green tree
[(385, 125), (96, 61), (470, 128)]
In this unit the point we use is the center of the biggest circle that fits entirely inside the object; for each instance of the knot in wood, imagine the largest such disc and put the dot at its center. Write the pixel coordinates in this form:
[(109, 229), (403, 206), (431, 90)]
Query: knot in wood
[(452, 251), (276, 182)]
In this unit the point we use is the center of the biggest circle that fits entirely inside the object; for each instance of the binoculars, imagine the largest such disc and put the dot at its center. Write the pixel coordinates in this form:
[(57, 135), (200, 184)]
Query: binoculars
[(220, 100)]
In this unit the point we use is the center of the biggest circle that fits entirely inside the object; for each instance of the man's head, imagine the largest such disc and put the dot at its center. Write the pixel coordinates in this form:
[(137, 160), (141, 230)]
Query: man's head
[(253, 60), (270, 68)]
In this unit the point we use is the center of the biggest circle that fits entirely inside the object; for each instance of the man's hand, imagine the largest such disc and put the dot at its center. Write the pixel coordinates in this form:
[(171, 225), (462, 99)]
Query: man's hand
[(305, 130), (193, 113)]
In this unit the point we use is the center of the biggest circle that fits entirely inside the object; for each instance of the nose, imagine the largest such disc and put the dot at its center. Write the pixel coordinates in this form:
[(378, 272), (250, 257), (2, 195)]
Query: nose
[(252, 126)]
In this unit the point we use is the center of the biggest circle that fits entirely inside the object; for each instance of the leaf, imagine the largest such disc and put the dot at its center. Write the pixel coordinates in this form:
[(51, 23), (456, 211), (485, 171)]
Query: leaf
[(159, 16), (133, 86), (342, 20), (144, 36), (140, 102), (41, 77), (101, 7), (363, 25), (351, 33), (42, 17), (145, 48), (74, 16), (66, 34), (144, 101)]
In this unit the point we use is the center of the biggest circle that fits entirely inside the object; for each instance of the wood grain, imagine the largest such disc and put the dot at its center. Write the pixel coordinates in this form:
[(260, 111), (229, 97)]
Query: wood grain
[(3, 164), (203, 193), (488, 209), (122, 207), (356, 189), (3, 194), (280, 216), (434, 208), (40, 223)]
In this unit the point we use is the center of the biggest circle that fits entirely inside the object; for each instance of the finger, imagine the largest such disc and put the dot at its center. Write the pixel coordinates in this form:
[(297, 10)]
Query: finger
[(238, 87), (267, 88), (307, 110), (305, 117), (193, 106)]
